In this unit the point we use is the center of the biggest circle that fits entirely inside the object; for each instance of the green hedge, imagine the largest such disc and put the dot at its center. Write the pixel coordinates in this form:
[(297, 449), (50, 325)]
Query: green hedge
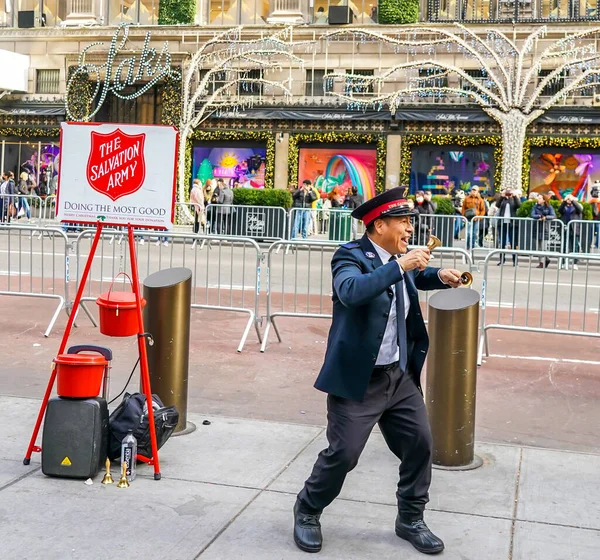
[(445, 206), (262, 197), (172, 12), (525, 209), (394, 12)]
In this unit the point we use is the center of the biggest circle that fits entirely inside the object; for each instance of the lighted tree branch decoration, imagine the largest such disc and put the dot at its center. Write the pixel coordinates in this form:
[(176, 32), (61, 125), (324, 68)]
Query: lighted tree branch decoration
[(510, 88), (218, 79)]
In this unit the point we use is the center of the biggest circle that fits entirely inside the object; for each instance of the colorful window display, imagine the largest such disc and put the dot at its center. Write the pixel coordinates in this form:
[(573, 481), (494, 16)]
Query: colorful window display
[(564, 172), (433, 169), (339, 166), (39, 160), (232, 161)]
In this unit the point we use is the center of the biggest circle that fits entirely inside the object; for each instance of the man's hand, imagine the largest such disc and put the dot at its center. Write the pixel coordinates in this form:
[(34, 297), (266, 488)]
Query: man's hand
[(450, 277), (417, 258)]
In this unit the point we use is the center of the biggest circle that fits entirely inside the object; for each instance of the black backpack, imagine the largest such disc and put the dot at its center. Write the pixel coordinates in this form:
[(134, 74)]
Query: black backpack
[(132, 414)]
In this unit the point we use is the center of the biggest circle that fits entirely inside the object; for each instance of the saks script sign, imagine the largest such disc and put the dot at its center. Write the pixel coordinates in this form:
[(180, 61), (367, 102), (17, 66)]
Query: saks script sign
[(117, 174)]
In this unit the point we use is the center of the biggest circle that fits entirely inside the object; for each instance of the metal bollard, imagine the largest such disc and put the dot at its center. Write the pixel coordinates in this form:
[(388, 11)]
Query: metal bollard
[(167, 318), (452, 377)]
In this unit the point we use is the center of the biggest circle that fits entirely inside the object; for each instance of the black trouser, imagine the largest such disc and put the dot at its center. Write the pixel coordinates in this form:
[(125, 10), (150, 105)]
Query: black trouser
[(196, 222), (393, 401)]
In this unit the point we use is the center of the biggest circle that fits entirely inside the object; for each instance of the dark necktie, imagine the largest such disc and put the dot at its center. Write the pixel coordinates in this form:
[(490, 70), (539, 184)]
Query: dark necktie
[(401, 322)]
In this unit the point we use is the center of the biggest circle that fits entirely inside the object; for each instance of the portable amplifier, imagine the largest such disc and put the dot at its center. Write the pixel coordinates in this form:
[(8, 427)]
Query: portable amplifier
[(74, 441)]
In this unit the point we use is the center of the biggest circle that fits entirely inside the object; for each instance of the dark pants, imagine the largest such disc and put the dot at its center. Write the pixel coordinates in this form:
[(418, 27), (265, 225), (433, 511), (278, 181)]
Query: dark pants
[(393, 401), (509, 233)]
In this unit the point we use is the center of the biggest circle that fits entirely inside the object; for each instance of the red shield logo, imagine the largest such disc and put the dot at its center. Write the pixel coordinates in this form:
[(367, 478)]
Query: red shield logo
[(116, 165)]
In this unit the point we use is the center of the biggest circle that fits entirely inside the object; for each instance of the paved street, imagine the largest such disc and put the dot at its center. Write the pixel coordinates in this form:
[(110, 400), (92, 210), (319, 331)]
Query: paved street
[(228, 489)]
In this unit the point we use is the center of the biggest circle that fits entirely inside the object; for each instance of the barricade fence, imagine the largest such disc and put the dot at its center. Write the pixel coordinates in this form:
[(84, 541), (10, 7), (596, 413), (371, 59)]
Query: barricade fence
[(582, 236), (266, 223), (35, 264), (225, 271), (536, 296), (299, 282)]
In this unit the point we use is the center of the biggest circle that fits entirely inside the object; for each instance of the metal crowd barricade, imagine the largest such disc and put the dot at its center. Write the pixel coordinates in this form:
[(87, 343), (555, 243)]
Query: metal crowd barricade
[(226, 270), (488, 233), (48, 211), (445, 227), (322, 224), (543, 298), (265, 223), (35, 266), (582, 236), (298, 282)]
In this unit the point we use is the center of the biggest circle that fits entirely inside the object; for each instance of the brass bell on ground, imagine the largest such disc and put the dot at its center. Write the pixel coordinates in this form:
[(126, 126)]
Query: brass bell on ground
[(108, 479), (123, 483)]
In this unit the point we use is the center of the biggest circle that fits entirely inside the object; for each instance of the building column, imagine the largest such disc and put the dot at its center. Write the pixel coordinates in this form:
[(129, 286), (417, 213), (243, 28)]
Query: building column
[(80, 12), (281, 173), (286, 11), (392, 161)]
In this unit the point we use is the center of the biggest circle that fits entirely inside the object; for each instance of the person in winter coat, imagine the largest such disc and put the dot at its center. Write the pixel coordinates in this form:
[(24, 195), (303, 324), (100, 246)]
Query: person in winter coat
[(303, 199), (542, 210), (473, 207), (571, 210), (509, 227), (197, 201)]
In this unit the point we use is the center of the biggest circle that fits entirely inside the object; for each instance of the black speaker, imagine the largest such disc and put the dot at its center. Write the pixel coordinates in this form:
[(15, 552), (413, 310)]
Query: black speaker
[(340, 15), (26, 19), (74, 442)]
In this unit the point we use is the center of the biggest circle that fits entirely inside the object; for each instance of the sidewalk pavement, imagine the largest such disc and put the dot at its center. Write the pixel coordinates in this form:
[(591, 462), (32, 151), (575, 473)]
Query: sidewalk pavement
[(228, 489)]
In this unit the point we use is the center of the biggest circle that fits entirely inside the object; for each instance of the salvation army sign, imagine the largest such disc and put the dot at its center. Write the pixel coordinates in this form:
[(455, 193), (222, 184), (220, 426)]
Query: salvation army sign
[(117, 174), (116, 166)]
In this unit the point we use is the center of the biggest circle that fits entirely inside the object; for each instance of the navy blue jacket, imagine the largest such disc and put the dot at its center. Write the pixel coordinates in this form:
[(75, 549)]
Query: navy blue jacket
[(362, 298)]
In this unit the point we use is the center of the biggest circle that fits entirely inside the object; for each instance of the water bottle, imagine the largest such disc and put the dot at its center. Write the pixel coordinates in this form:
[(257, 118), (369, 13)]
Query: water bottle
[(129, 454)]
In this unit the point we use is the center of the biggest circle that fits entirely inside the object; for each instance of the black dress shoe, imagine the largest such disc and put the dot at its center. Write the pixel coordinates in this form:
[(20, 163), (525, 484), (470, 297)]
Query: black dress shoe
[(307, 530), (419, 535)]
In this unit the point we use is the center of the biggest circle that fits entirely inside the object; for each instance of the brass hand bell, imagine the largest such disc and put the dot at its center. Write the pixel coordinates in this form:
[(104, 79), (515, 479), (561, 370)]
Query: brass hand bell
[(433, 243), (466, 278), (108, 479), (123, 483)]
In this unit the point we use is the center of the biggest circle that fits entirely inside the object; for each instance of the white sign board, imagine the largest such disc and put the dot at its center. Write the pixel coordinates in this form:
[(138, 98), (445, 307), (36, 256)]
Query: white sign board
[(15, 70), (117, 174)]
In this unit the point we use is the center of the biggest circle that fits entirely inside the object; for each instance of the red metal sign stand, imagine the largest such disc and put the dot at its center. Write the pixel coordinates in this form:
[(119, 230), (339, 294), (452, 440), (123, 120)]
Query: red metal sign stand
[(141, 336)]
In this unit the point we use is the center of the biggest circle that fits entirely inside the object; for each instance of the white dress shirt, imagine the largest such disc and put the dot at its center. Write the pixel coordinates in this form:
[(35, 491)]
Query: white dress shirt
[(389, 351)]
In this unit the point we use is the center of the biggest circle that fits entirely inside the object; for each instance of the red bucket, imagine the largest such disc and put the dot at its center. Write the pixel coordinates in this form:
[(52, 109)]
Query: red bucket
[(118, 313), (79, 375)]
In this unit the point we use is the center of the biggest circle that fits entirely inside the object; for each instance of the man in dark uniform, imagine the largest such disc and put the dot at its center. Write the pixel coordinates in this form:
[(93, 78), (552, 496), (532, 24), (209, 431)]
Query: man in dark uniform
[(375, 352)]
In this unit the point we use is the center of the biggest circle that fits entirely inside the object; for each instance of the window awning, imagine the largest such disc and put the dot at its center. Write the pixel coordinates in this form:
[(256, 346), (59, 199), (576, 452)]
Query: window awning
[(15, 72)]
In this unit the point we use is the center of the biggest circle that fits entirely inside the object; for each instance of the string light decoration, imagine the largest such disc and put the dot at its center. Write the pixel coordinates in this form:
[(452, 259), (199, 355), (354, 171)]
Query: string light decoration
[(414, 140), (152, 67), (338, 138), (218, 81), (510, 88)]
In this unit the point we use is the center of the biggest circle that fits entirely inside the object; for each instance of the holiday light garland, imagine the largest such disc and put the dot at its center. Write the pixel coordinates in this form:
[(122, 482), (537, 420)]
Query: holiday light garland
[(171, 101), (338, 138), (415, 140), (510, 89)]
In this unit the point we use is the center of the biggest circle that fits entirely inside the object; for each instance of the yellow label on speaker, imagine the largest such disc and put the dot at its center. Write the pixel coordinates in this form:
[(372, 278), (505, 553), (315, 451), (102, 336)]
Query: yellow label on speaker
[(66, 462)]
